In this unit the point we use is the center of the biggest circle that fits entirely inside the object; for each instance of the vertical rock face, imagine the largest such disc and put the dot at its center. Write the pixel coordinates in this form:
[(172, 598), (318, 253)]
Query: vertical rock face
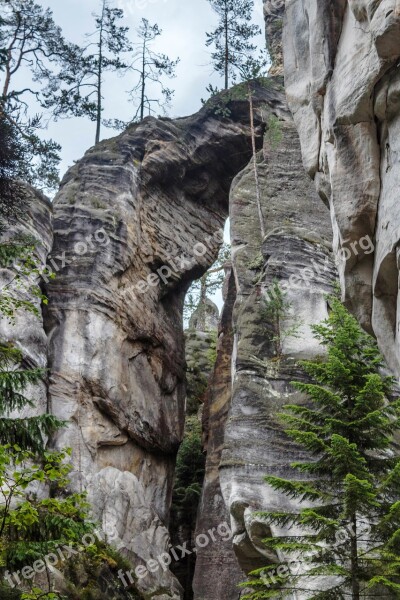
[(274, 11), (135, 221), (294, 254), (343, 86), (251, 383), (217, 570), (26, 332)]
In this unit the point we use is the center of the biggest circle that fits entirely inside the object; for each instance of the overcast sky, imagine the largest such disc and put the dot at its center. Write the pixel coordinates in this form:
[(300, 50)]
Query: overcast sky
[(184, 23)]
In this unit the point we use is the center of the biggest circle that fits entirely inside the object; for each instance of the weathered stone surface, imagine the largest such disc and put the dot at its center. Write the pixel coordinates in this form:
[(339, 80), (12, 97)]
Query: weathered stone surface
[(342, 81), (132, 206), (274, 11), (120, 502), (296, 254), (205, 318), (26, 331), (217, 571)]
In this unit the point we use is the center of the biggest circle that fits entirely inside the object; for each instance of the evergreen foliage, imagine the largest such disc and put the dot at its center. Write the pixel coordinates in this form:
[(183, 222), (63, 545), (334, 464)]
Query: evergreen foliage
[(30, 39), (151, 67), (189, 474), (190, 467), (351, 480), (201, 289), (83, 94), (12, 162), (29, 432), (274, 310), (233, 48), (30, 526)]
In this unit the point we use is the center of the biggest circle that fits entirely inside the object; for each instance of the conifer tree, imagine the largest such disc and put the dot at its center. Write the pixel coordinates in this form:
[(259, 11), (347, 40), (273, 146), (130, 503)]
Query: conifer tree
[(30, 433), (151, 67), (30, 39), (13, 156), (201, 289), (85, 77), (232, 37), (351, 481), (111, 43), (31, 525)]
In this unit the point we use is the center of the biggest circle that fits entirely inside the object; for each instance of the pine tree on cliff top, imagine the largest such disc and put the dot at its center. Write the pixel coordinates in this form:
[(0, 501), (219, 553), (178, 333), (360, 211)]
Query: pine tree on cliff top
[(232, 38), (351, 482)]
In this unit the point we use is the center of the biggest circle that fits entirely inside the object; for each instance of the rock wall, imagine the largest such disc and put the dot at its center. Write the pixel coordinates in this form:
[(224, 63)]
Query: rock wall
[(274, 11), (135, 221), (26, 330), (296, 255), (217, 571), (244, 439), (342, 80)]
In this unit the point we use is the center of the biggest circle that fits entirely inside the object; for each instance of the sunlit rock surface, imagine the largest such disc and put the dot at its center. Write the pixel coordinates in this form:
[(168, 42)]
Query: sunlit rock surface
[(343, 86)]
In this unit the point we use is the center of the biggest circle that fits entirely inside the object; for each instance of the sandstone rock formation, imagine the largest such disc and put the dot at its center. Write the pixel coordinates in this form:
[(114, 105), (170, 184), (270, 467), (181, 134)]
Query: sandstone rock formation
[(139, 217), (26, 332), (135, 221), (296, 252), (342, 81), (245, 440), (205, 317), (274, 11), (217, 571)]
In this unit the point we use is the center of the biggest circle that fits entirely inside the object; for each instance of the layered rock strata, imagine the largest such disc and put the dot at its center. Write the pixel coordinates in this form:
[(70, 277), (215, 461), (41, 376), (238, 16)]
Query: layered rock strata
[(295, 254), (343, 86), (135, 221)]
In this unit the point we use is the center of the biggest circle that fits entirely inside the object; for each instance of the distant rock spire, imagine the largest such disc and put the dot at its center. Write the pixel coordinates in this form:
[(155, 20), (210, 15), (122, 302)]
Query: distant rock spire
[(205, 317)]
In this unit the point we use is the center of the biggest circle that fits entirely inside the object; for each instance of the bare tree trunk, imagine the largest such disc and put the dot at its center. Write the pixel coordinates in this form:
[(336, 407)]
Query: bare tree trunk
[(253, 142), (355, 584), (226, 50), (143, 81), (203, 302), (99, 74)]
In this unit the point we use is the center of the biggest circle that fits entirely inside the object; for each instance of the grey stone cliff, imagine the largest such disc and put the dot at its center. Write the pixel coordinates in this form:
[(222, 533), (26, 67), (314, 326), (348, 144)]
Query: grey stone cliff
[(138, 218), (342, 81)]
